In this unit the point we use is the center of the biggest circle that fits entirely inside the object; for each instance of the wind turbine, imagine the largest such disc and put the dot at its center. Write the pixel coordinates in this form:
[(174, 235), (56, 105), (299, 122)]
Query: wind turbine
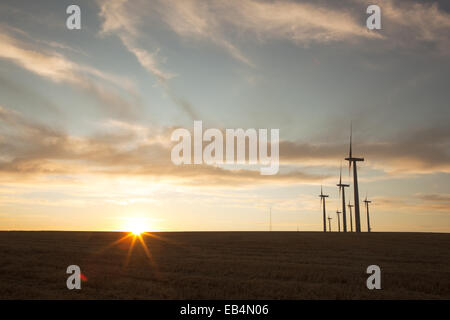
[(270, 218), (367, 211), (329, 223), (322, 199), (350, 206), (343, 186), (352, 161), (339, 220)]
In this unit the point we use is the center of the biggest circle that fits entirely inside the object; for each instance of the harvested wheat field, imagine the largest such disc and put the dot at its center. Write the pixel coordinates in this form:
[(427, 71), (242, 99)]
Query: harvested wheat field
[(224, 265)]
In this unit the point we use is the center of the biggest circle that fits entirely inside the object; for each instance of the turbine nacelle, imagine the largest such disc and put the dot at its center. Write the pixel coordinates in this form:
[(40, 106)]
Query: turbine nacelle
[(343, 185), (321, 195), (354, 159)]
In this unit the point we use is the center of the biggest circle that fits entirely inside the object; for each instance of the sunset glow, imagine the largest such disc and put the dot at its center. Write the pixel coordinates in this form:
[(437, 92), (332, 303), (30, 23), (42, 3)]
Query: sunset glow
[(87, 116)]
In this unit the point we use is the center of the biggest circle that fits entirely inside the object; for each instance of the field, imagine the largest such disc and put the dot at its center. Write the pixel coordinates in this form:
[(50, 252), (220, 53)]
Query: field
[(225, 265)]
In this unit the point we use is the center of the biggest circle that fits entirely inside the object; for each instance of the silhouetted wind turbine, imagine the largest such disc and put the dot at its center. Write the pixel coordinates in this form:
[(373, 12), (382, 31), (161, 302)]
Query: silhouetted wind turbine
[(339, 220), (322, 199), (352, 161), (329, 223), (367, 211), (351, 220), (343, 186)]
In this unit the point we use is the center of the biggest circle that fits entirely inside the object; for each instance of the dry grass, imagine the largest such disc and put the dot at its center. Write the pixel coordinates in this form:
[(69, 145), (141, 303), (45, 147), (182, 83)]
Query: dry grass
[(225, 265)]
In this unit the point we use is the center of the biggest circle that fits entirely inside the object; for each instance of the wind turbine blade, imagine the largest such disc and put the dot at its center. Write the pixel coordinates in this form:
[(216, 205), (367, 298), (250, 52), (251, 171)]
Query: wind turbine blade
[(350, 151)]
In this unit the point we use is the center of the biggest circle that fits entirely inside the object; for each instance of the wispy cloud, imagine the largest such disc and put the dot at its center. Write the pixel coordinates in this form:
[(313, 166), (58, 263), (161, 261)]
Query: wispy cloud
[(227, 24), (29, 148), (435, 197), (221, 22), (414, 25), (56, 67), (417, 151), (419, 204), (124, 19), (127, 149), (119, 18)]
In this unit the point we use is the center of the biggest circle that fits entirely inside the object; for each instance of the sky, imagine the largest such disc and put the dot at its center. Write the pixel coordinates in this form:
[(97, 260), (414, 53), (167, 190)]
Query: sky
[(86, 115)]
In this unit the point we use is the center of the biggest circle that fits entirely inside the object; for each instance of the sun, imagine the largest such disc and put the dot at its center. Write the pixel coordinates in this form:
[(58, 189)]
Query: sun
[(136, 226), (137, 230)]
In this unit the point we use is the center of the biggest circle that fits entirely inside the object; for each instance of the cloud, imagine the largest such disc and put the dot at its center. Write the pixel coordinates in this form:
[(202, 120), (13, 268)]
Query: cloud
[(124, 19), (148, 60), (220, 21), (414, 25), (430, 204), (225, 24), (198, 19), (29, 148), (28, 95), (417, 151), (440, 197), (57, 68), (120, 18), (125, 149), (53, 67)]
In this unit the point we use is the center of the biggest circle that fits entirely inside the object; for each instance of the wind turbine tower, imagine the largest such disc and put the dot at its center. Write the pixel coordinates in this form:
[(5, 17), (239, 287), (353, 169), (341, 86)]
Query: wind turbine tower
[(329, 223), (350, 206), (339, 220), (322, 200), (343, 186), (352, 161), (367, 211)]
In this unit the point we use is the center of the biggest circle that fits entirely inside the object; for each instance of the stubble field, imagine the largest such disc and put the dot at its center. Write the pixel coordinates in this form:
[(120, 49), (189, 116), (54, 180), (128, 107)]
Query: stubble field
[(224, 265)]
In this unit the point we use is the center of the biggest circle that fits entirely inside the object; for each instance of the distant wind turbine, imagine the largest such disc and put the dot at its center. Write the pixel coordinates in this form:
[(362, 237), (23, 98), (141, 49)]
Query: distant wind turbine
[(329, 223), (322, 200), (343, 186), (352, 161), (270, 218), (350, 206), (367, 211), (339, 220)]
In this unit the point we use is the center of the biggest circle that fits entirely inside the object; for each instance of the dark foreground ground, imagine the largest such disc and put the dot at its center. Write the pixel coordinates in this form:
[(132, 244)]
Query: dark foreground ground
[(225, 265)]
